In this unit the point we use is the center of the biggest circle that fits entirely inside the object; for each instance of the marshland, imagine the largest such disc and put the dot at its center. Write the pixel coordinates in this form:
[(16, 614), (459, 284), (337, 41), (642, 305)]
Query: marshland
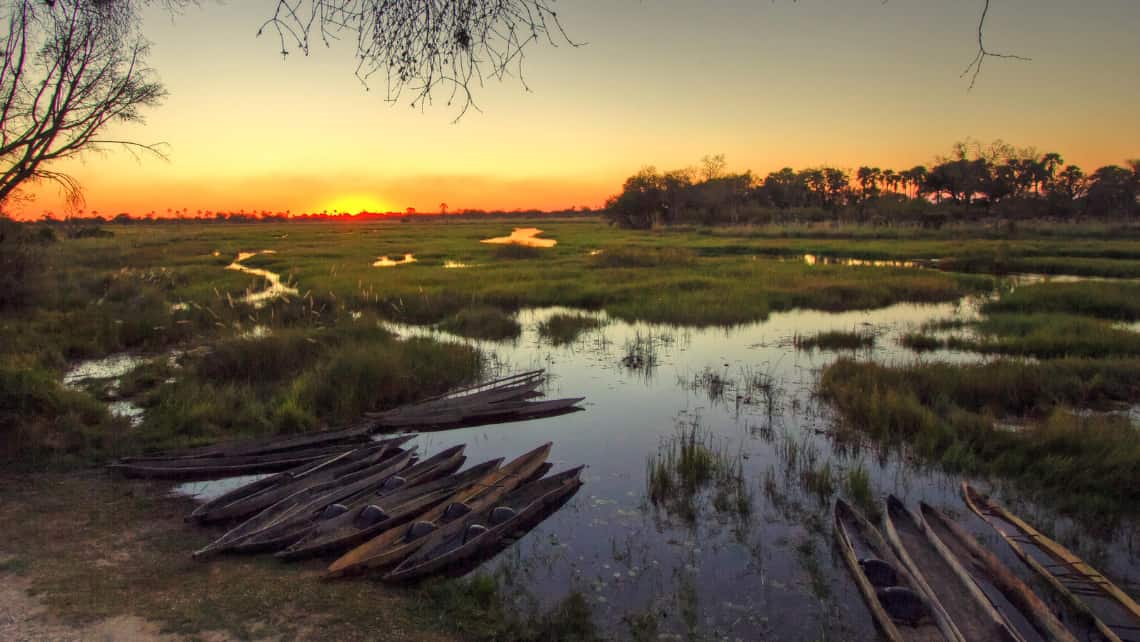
[(733, 391)]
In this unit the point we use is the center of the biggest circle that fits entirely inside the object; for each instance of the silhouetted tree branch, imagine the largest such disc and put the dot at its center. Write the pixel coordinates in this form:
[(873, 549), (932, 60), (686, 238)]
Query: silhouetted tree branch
[(70, 68), (975, 65), (424, 45)]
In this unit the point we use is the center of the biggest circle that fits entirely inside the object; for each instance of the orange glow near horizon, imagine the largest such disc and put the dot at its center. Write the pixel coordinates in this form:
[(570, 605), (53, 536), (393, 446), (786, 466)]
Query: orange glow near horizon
[(769, 85)]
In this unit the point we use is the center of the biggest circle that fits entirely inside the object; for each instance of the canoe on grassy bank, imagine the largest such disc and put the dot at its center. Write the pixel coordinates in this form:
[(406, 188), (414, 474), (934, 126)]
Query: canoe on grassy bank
[(368, 519), (258, 495), (466, 538), (943, 577), (392, 546), (1114, 613), (903, 611), (990, 574), (219, 467), (348, 437)]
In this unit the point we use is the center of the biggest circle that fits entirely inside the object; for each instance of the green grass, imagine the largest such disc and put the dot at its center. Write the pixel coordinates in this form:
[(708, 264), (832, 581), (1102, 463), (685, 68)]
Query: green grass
[(857, 486), (644, 257), (834, 340), (564, 329), (483, 322), (1037, 335), (1114, 301), (946, 414)]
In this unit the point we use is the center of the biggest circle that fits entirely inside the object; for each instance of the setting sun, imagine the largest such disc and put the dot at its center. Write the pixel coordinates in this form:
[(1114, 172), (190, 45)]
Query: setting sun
[(355, 204)]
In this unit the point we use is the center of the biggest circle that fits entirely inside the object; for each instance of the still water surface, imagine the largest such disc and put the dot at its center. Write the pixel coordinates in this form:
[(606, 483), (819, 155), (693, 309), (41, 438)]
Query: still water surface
[(771, 573)]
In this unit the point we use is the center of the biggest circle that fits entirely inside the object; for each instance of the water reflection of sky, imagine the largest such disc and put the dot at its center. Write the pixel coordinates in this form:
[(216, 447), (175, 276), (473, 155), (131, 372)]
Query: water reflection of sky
[(724, 576), (746, 579)]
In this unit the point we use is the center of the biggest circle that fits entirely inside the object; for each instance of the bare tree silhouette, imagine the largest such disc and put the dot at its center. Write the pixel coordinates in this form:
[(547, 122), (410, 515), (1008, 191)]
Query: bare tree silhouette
[(70, 68), (424, 45)]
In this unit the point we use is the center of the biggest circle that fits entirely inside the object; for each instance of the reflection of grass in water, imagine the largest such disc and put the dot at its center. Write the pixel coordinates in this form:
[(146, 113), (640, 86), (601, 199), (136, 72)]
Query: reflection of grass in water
[(641, 351), (564, 329), (817, 578), (834, 340), (686, 465), (820, 481), (479, 607), (857, 485)]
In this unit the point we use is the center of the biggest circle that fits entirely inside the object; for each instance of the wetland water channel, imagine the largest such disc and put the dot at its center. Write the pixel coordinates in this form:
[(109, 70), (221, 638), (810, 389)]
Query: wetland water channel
[(763, 567)]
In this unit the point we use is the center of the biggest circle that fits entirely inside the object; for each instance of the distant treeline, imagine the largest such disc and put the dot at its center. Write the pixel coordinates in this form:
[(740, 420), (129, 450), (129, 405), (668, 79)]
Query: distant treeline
[(184, 216), (975, 181)]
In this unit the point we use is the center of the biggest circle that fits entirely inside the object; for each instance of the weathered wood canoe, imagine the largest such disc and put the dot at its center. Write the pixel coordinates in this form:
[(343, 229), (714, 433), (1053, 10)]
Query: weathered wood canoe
[(1114, 613), (968, 608), (393, 545), (301, 501), (349, 437), (481, 414), (520, 388), (218, 467), (463, 539), (991, 574), (367, 520), (258, 495), (297, 524), (903, 611)]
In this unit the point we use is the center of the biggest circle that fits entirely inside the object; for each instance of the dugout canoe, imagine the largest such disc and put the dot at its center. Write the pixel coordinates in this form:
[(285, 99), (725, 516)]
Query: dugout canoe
[(903, 611), (991, 574), (482, 414), (365, 521), (258, 495), (1114, 613), (297, 502), (350, 437), (466, 538), (392, 546), (219, 467), (967, 606)]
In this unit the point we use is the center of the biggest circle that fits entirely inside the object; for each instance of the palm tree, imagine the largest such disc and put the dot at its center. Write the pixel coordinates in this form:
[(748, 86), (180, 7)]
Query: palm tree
[(443, 208)]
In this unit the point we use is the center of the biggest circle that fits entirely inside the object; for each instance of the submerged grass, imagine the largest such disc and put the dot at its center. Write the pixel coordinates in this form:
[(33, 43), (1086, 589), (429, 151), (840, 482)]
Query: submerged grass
[(689, 463), (947, 414), (564, 329), (834, 340)]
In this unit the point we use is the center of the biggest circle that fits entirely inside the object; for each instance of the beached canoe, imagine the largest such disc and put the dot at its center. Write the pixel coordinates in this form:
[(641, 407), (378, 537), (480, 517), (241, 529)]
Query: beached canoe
[(350, 437), (260, 494), (1114, 613), (969, 609), (992, 575), (903, 611), (369, 519), (219, 467), (300, 502), (392, 546), (466, 538)]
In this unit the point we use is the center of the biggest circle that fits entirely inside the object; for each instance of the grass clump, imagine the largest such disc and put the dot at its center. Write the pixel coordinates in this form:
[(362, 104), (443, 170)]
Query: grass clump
[(1115, 301), (857, 486), (642, 257), (1037, 335), (516, 251), (564, 329), (483, 322), (946, 414), (834, 340), (689, 463), (41, 420)]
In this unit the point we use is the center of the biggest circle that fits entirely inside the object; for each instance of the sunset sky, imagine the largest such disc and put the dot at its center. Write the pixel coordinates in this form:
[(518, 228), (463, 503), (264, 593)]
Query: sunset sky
[(658, 82)]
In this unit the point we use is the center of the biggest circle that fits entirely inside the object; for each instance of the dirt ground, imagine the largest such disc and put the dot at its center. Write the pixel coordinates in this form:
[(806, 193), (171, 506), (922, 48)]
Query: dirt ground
[(84, 556)]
